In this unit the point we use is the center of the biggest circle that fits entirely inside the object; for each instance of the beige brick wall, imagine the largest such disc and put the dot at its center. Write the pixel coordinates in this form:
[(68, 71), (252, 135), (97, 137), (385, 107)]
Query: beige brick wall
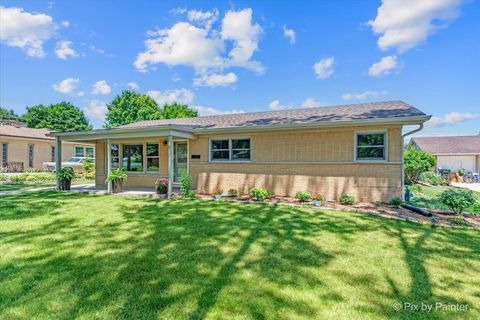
[(286, 162), (42, 150)]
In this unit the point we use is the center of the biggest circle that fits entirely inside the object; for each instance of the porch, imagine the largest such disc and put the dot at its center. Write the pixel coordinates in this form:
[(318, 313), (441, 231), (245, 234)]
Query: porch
[(145, 154)]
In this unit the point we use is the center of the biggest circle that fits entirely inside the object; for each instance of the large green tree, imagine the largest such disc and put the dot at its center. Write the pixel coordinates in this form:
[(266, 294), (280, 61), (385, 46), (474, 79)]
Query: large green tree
[(176, 110), (415, 163), (7, 114), (129, 107), (62, 116)]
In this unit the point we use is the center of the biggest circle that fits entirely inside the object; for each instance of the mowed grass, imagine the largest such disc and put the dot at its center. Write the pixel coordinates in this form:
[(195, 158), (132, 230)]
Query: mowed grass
[(73, 256), (24, 186)]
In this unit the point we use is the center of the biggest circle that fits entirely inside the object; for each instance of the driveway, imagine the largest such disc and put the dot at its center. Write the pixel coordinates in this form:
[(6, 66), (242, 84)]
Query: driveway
[(471, 186)]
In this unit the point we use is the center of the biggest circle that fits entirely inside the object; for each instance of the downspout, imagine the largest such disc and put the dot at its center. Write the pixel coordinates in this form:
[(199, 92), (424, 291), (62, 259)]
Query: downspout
[(403, 149)]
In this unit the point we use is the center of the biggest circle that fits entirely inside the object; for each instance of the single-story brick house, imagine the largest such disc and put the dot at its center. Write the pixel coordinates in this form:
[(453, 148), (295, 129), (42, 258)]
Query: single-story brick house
[(453, 152), (351, 149), (23, 148)]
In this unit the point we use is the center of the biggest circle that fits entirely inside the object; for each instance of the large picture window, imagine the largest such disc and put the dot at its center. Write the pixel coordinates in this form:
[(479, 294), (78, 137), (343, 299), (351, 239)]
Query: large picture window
[(132, 157), (230, 150), (371, 146)]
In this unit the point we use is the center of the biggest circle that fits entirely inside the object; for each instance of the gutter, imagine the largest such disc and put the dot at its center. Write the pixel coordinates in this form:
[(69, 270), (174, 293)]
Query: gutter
[(403, 150)]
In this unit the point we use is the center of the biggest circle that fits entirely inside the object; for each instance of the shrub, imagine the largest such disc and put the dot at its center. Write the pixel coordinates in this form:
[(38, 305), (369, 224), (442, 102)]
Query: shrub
[(185, 184), (3, 177), (31, 177), (190, 195), (259, 193), (87, 166), (457, 200), (346, 199), (476, 209), (66, 173), (232, 192), (431, 178), (396, 201), (416, 162), (303, 196)]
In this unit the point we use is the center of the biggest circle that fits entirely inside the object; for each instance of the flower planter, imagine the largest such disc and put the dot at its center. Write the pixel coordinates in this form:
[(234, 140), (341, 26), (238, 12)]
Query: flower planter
[(317, 203), (217, 196), (66, 185), (259, 199), (117, 186), (162, 191)]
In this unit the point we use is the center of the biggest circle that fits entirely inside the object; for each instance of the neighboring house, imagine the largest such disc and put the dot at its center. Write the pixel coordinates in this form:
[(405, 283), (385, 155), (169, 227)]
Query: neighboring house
[(454, 153), (349, 149), (25, 148)]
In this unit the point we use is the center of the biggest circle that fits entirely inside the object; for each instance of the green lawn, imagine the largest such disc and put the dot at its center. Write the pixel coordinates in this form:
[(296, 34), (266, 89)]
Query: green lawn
[(427, 197), (24, 186), (67, 256)]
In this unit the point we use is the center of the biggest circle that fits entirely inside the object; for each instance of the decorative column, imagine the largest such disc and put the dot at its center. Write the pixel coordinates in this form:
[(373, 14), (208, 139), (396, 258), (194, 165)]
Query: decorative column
[(58, 158), (170, 165), (109, 163)]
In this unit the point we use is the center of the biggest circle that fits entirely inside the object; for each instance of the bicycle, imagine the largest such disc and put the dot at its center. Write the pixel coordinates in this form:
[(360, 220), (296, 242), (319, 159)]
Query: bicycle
[(470, 177)]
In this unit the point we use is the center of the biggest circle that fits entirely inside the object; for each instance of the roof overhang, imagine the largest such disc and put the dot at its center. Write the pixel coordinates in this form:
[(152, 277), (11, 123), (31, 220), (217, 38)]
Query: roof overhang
[(126, 133)]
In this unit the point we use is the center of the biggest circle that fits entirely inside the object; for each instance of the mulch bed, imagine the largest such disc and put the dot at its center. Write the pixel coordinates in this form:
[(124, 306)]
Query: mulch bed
[(439, 217)]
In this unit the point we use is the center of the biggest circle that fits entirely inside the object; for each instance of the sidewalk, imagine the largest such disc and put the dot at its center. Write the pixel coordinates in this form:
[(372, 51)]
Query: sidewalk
[(471, 186)]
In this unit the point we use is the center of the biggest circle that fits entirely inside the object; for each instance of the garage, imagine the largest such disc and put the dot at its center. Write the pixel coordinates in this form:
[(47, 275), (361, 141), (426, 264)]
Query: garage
[(456, 162)]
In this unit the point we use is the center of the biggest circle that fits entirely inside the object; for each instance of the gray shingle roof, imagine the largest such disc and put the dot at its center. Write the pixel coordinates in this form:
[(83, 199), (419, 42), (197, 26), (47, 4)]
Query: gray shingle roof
[(19, 130), (376, 110), (454, 144)]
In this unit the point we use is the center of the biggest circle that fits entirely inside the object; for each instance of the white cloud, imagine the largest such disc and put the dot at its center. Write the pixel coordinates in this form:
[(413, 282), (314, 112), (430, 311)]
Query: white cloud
[(184, 96), (65, 24), (208, 111), (66, 86), (215, 80), (363, 95), (289, 34), (25, 30), (203, 18), (383, 67), (311, 103), (403, 24), (96, 109), (63, 50), (324, 68), (238, 27), (101, 87), (275, 105), (450, 119), (81, 94), (133, 85)]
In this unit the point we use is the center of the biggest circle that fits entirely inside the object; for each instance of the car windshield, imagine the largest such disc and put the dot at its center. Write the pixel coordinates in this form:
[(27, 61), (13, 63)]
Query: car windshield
[(75, 159)]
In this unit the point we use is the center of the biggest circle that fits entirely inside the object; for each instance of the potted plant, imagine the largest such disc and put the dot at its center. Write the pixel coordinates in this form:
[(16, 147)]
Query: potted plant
[(161, 185), (217, 193), (65, 176), (317, 200), (259, 193), (116, 178)]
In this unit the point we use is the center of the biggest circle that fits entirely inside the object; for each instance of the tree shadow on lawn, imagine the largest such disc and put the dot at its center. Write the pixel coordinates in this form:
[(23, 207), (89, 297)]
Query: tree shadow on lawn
[(181, 259)]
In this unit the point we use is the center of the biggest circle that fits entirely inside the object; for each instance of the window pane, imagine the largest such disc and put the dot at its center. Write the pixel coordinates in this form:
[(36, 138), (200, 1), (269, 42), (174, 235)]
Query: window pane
[(370, 153), (115, 162), (241, 144), (152, 149), (133, 157), (370, 139), (241, 155), (219, 144), (89, 152), (114, 149), (220, 155), (79, 152), (53, 153), (152, 164)]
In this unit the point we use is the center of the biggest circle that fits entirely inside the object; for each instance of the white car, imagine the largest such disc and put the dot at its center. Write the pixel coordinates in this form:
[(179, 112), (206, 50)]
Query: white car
[(74, 162)]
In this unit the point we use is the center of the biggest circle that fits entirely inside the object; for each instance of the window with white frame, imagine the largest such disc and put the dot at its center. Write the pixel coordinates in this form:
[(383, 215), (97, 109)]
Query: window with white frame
[(230, 149), (153, 160), (371, 146), (84, 152), (115, 152), (139, 158), (133, 157)]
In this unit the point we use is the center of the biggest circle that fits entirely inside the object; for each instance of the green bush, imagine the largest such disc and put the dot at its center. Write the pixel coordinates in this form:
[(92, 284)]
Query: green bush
[(476, 209), (431, 178), (3, 177), (415, 188), (31, 177), (457, 200), (303, 196), (346, 199), (396, 201), (416, 162), (232, 193), (259, 193), (185, 184)]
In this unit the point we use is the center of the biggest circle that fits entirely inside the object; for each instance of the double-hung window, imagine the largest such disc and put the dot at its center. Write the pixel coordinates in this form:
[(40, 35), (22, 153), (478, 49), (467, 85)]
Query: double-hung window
[(89, 152), (30, 155), (79, 152), (371, 146), (85, 152), (115, 151), (153, 161), (230, 149)]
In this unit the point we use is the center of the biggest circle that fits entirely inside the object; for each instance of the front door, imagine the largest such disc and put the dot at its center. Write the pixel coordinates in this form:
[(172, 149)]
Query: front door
[(180, 159)]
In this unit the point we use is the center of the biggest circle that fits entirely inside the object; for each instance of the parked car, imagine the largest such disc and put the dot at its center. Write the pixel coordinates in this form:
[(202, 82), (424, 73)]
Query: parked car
[(74, 162)]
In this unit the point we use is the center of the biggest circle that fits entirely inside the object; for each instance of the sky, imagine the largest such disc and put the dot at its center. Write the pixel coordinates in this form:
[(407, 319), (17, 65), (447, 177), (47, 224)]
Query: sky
[(243, 56)]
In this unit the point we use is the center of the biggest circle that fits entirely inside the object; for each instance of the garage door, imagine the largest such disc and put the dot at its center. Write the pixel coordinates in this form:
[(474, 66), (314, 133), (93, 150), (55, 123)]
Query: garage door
[(456, 163)]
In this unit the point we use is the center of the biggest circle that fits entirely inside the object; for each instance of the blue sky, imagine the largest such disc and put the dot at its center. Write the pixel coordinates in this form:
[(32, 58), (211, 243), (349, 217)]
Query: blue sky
[(241, 56)]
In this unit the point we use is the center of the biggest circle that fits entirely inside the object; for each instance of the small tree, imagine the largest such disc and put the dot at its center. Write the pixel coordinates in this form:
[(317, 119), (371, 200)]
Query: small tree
[(416, 162), (457, 200)]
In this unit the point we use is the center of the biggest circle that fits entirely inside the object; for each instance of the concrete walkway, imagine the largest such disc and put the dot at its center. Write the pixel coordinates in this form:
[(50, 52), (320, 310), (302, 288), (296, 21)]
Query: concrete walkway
[(471, 186)]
